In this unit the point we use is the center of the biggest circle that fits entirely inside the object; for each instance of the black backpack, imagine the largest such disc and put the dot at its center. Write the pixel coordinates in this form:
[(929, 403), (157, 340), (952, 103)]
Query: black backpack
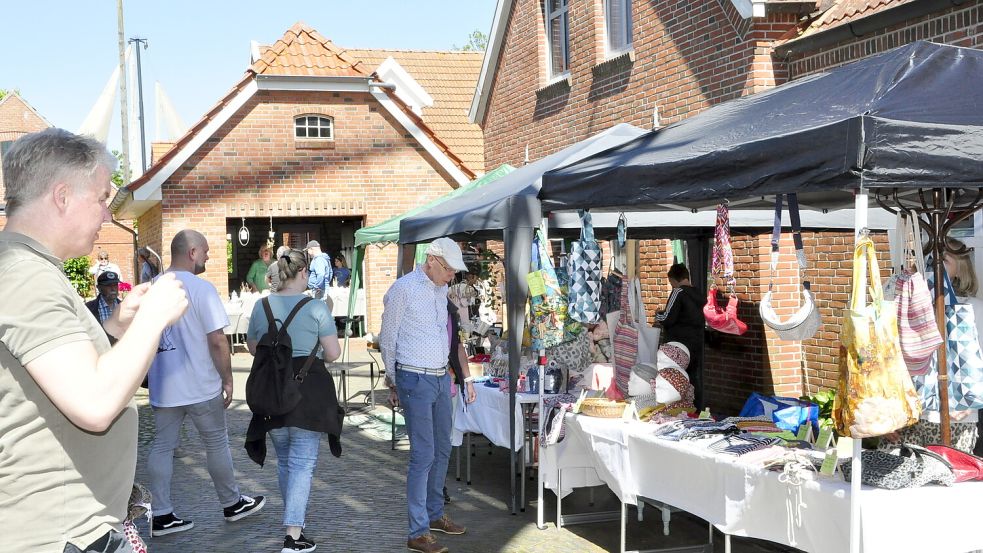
[(272, 389)]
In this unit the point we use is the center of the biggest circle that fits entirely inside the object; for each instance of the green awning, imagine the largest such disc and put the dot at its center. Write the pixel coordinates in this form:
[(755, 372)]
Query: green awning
[(388, 231)]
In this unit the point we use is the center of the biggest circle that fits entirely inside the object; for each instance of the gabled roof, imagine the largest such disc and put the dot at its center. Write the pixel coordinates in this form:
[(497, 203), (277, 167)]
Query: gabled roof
[(449, 77), (301, 53), (846, 11), (304, 51), (13, 100)]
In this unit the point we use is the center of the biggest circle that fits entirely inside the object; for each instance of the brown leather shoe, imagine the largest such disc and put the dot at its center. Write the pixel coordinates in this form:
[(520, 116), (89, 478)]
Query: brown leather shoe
[(447, 526), (425, 544)]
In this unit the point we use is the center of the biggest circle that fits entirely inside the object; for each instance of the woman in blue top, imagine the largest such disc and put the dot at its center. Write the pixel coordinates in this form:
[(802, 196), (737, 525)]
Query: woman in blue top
[(297, 435)]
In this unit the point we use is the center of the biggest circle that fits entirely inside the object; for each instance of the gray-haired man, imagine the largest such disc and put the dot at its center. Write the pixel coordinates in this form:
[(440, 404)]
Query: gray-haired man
[(68, 424)]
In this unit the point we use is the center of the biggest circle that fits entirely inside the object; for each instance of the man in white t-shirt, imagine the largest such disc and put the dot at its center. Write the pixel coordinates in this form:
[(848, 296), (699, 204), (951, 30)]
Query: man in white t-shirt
[(191, 376)]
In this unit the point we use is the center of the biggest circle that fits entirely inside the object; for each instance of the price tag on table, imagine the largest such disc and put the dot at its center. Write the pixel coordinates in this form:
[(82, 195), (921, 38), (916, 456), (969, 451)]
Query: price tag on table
[(580, 401), (825, 437), (537, 284), (829, 463), (705, 414), (803, 433), (630, 413), (844, 446)]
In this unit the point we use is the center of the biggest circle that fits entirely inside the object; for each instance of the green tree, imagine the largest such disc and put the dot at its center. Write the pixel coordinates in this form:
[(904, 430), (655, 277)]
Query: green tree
[(77, 271), (117, 177), (477, 42)]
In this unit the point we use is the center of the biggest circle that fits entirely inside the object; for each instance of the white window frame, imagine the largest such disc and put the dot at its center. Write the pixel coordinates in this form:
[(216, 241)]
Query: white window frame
[(617, 49), (563, 18), (321, 118)]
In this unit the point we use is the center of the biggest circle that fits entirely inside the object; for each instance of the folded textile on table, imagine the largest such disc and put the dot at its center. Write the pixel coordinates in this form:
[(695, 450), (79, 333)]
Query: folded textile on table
[(742, 444), (709, 430)]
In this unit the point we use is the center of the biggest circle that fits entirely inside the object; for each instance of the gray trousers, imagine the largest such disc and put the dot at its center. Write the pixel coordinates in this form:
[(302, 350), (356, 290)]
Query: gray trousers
[(209, 419)]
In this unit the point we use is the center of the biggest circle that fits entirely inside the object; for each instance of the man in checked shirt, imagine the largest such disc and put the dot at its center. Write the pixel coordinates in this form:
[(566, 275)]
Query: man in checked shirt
[(415, 344)]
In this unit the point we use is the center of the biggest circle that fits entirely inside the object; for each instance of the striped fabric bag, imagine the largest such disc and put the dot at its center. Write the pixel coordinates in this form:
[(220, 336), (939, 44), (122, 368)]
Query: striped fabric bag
[(625, 346), (917, 328)]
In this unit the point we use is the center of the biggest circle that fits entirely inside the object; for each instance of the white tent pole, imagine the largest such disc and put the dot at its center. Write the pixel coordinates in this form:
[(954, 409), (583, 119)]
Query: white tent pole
[(860, 210), (540, 515)]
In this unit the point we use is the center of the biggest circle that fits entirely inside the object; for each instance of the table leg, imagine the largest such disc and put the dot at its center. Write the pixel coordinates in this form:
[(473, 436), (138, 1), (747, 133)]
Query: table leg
[(559, 499), (467, 455), (624, 524), (372, 389)]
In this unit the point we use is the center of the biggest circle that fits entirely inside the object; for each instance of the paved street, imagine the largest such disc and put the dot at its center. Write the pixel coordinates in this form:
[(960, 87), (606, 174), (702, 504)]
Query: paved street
[(357, 502)]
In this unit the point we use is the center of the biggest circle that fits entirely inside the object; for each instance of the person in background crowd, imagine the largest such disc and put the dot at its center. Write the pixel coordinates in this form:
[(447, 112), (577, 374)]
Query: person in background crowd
[(256, 277), (68, 426), (102, 265), (415, 343), (341, 271), (963, 425), (108, 299), (191, 376), (297, 435), (148, 265), (273, 271), (320, 269), (682, 321)]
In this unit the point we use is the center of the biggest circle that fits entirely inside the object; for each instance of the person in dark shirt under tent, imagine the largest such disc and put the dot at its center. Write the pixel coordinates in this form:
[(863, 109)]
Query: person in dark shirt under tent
[(682, 321)]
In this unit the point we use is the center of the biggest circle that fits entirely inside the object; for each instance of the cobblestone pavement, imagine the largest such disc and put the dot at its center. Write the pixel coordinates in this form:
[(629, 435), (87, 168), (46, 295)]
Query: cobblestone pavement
[(357, 502)]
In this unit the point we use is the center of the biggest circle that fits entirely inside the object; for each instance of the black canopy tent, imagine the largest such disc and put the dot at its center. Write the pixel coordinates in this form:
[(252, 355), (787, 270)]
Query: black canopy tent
[(894, 125)]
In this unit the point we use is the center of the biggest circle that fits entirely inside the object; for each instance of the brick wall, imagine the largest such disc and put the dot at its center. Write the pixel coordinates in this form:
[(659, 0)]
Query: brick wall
[(686, 57), (959, 26), (252, 167)]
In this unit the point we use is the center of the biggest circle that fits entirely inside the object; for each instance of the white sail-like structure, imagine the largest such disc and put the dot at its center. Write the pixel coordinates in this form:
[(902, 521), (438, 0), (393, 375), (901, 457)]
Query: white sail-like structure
[(168, 124), (100, 117)]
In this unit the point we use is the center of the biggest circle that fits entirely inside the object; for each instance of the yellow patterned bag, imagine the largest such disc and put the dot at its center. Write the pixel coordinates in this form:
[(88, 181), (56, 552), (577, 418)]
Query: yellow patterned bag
[(875, 395)]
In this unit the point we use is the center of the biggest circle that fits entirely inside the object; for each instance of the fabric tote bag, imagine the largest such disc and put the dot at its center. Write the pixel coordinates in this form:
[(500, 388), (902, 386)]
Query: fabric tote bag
[(804, 323), (584, 266), (964, 359), (625, 345), (723, 319), (875, 394), (917, 328), (547, 312), (648, 335)]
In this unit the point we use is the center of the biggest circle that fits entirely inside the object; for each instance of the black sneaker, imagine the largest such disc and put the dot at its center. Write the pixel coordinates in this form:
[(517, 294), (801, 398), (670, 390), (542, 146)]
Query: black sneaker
[(169, 524), (300, 544), (244, 507)]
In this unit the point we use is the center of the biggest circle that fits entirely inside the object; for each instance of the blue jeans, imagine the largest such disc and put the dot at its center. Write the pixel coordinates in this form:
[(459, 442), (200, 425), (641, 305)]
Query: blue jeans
[(296, 458), (426, 402)]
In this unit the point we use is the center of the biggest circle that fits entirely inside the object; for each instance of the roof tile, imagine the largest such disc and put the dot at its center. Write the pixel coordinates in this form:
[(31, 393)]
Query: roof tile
[(845, 11)]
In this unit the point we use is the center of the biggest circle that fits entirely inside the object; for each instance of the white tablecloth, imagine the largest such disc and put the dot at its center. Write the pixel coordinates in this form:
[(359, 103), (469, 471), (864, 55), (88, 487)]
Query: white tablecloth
[(339, 296), (488, 415), (747, 501)]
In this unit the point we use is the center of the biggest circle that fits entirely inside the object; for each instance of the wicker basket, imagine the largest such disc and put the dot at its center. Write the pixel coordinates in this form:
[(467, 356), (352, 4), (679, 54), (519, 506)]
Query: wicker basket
[(601, 407)]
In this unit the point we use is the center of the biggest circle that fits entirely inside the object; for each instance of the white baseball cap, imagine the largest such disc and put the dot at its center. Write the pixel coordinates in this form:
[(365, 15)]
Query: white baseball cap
[(449, 251)]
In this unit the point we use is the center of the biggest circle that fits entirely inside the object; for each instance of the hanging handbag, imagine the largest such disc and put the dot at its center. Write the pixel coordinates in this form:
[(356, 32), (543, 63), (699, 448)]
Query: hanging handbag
[(806, 321), (875, 394), (918, 330), (625, 345), (547, 312), (718, 318), (964, 358), (584, 266), (648, 335), (964, 465), (907, 467)]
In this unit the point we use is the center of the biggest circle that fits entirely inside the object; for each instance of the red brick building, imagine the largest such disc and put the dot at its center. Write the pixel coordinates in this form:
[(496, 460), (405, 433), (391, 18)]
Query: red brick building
[(558, 71), (18, 118), (316, 141)]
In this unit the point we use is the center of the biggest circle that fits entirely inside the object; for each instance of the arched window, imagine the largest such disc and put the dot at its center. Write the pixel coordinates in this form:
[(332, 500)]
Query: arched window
[(314, 127)]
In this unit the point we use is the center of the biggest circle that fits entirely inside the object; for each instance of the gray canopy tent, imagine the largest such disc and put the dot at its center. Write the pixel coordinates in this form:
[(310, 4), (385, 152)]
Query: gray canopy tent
[(509, 210), (904, 126)]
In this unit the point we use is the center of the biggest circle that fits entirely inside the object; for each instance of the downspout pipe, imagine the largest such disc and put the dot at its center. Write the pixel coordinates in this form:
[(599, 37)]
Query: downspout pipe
[(136, 246), (865, 26)]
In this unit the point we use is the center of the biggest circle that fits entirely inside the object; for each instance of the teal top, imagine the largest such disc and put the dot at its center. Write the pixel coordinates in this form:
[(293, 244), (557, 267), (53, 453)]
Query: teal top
[(312, 322)]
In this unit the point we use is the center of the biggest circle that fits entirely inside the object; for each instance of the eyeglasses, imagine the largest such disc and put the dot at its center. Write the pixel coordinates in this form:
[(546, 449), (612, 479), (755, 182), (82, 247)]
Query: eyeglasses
[(441, 263)]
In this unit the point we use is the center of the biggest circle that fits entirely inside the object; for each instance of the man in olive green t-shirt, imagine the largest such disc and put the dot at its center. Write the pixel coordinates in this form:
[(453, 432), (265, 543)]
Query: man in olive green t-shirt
[(68, 424)]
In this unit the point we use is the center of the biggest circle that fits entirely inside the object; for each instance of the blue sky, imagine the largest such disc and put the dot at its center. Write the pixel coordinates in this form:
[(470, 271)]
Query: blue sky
[(59, 55)]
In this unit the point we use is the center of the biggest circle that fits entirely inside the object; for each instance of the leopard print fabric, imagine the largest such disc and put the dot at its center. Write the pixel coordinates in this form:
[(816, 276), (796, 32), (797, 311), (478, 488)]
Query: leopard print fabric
[(964, 435)]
